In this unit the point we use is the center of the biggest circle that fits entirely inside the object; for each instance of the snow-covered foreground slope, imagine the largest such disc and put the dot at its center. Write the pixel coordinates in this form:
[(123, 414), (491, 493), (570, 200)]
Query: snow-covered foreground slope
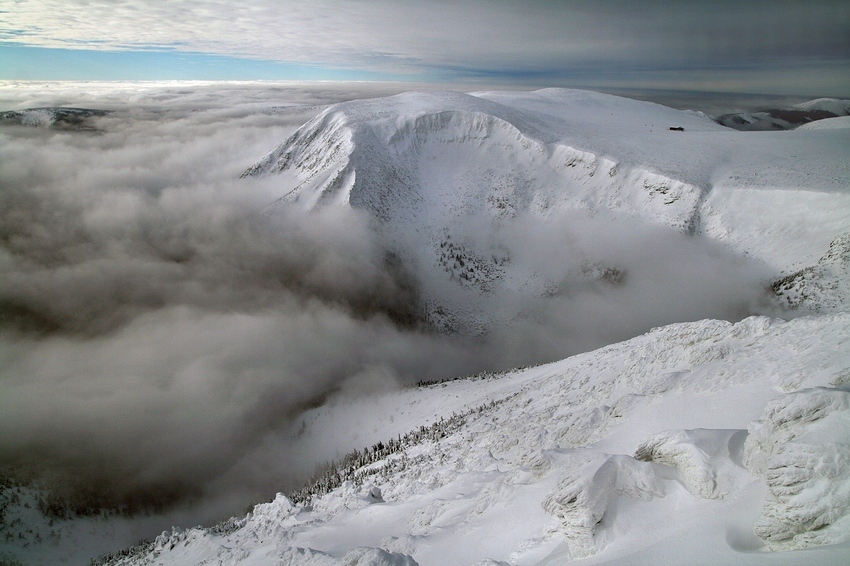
[(703, 443)]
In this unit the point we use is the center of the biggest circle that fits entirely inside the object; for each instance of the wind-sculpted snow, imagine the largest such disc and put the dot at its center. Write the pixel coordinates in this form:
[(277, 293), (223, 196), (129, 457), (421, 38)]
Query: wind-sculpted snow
[(585, 493), (801, 446), (705, 460), (618, 448)]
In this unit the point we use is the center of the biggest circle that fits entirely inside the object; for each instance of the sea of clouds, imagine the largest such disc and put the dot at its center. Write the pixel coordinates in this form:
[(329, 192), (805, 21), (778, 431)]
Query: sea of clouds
[(159, 330)]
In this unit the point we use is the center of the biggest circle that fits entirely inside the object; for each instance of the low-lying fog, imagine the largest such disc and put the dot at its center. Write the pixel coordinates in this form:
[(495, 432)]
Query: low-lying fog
[(157, 329)]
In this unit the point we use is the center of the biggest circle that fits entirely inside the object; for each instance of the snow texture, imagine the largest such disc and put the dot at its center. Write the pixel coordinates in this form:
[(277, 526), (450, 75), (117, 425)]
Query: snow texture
[(801, 446), (823, 287)]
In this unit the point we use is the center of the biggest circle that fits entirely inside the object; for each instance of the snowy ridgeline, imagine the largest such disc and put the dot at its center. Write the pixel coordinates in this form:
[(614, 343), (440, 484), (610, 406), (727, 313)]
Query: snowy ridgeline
[(731, 439), (804, 114)]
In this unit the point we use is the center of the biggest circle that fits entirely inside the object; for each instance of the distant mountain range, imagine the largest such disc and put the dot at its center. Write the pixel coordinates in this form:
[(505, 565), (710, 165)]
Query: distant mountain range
[(786, 118), (52, 117)]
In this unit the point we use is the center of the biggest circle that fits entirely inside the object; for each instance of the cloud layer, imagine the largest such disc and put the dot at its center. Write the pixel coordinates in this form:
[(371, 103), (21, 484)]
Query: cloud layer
[(541, 41)]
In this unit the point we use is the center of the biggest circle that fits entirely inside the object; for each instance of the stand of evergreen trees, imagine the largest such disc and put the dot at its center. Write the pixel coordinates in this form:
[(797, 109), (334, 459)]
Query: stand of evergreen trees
[(383, 459)]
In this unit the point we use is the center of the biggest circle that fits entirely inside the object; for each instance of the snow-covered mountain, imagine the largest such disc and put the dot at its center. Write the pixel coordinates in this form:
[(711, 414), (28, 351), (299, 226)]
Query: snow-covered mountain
[(455, 179), (704, 441), (55, 117), (712, 439)]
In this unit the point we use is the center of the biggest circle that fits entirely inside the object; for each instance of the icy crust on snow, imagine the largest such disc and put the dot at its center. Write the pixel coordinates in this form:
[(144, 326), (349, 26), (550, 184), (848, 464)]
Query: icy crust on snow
[(801, 446), (614, 449)]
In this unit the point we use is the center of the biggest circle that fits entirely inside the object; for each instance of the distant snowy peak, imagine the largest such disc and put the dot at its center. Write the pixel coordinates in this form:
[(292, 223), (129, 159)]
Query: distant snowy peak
[(832, 105), (55, 117)]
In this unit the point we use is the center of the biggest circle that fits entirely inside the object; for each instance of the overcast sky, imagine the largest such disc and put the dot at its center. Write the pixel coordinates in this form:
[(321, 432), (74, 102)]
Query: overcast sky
[(752, 46)]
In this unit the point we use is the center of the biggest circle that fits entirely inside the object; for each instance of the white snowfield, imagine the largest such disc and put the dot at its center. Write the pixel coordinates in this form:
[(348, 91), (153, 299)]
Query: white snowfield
[(699, 443), (842, 122)]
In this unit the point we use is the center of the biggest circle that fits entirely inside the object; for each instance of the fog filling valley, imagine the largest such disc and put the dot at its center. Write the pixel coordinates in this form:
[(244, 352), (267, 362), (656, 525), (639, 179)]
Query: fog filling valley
[(159, 331)]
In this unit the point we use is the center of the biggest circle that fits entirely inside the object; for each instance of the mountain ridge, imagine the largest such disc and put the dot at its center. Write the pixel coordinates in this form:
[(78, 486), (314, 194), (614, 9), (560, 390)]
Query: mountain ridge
[(714, 434)]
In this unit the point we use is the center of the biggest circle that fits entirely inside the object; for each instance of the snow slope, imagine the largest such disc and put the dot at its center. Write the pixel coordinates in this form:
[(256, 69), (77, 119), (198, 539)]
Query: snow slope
[(703, 442), (698, 431)]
